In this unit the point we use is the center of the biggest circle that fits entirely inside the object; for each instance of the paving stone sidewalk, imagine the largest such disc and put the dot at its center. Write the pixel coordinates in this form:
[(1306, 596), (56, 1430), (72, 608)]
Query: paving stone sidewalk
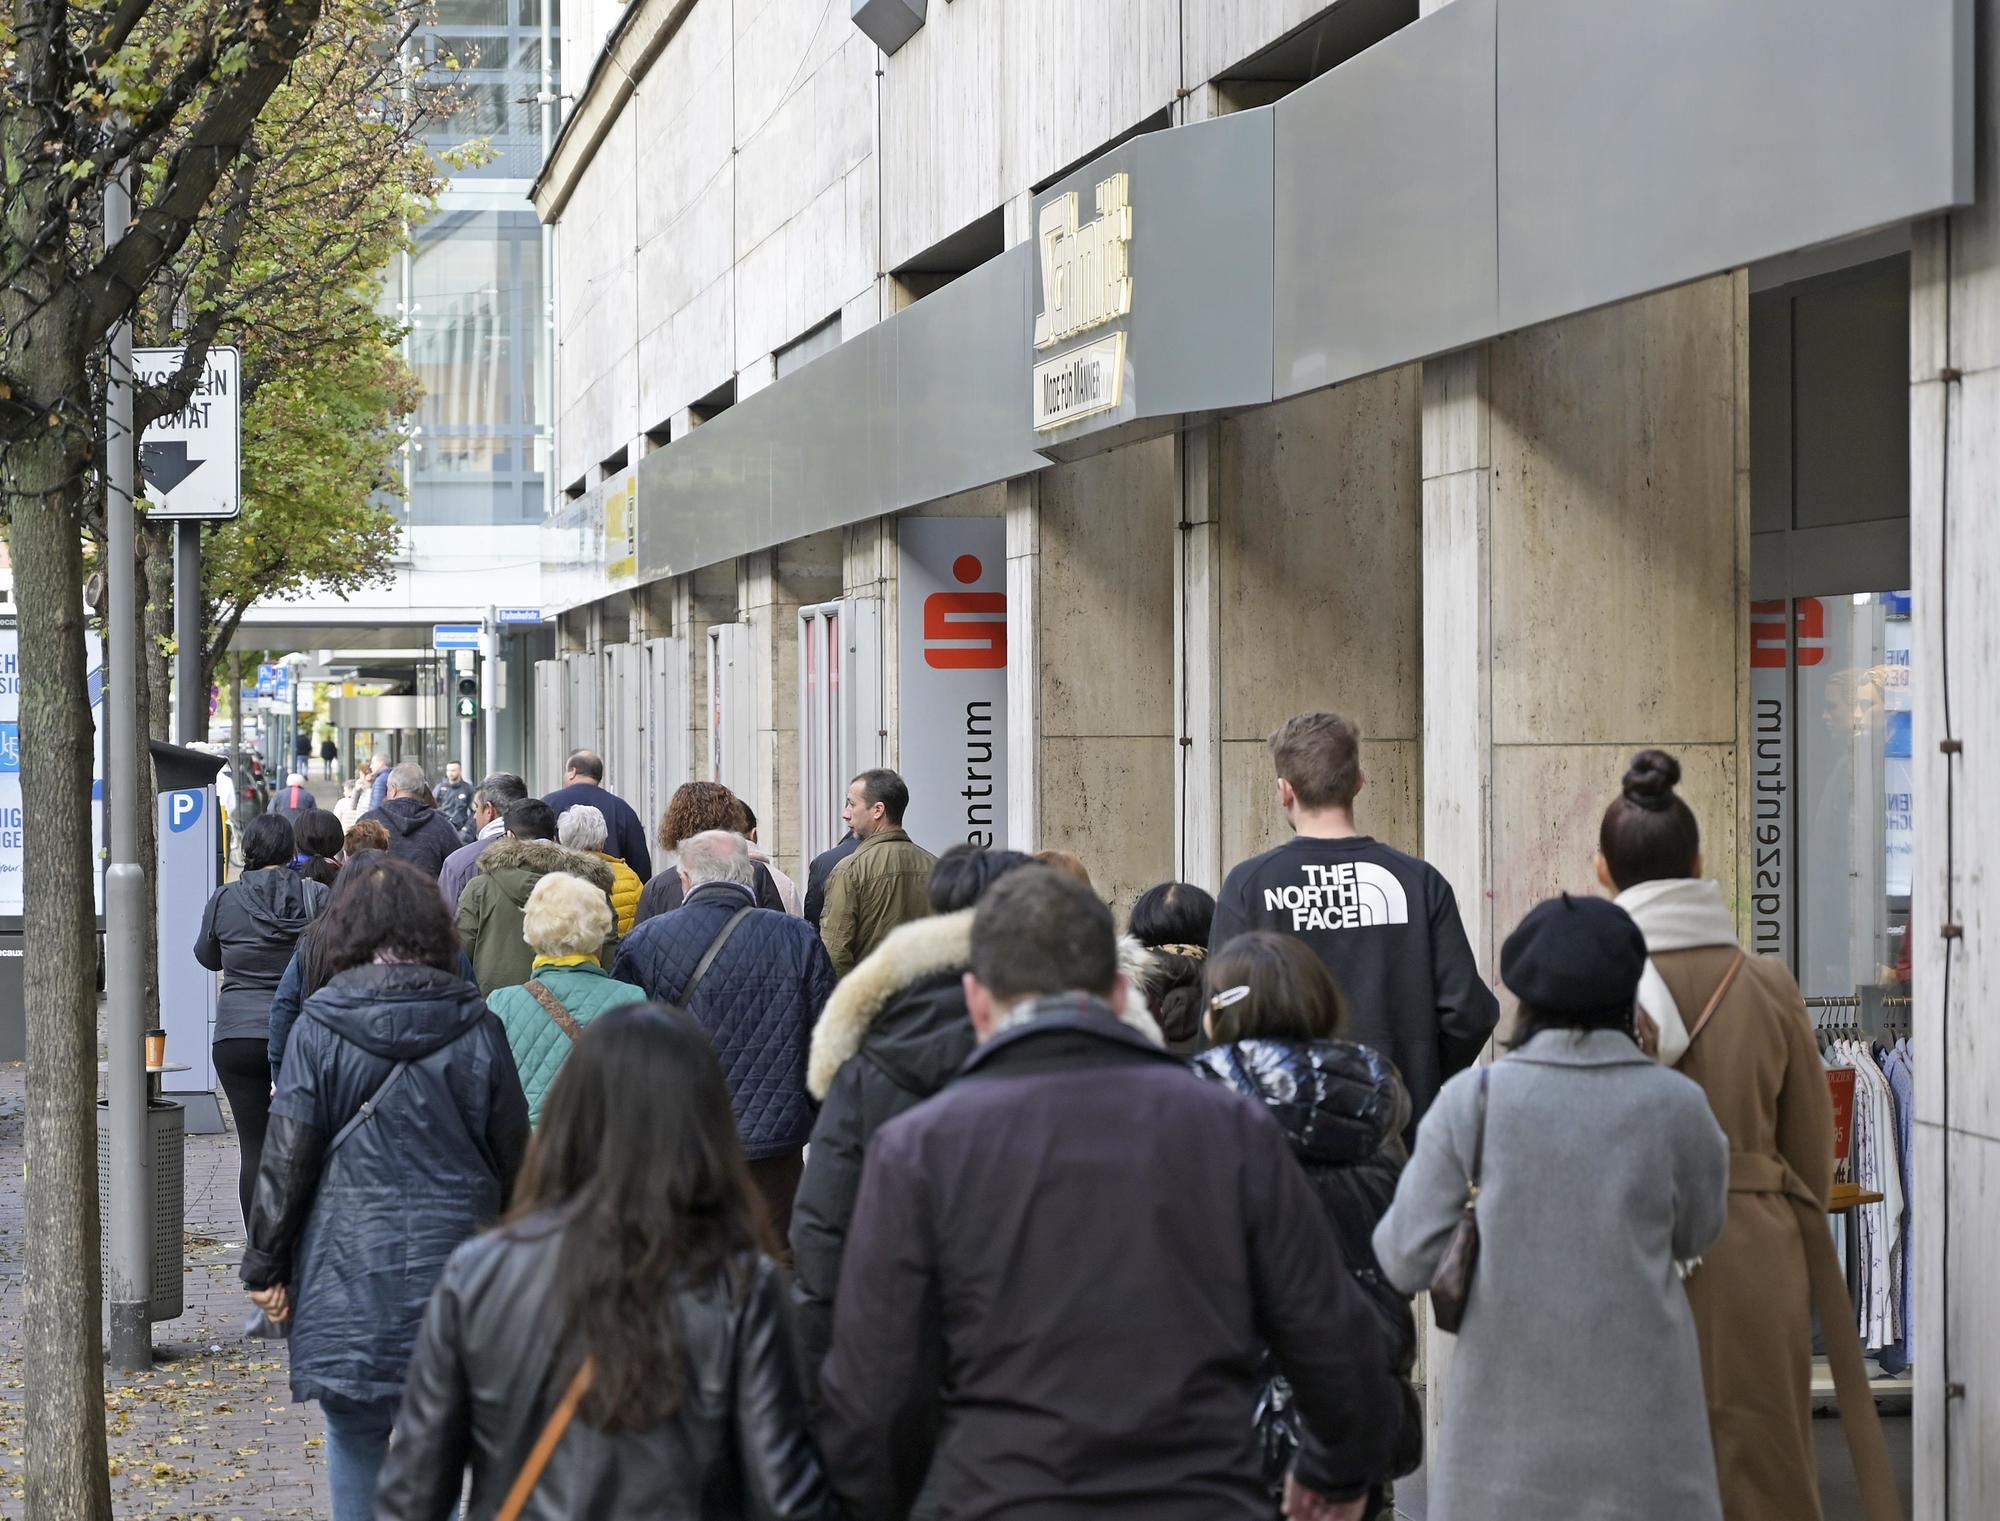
[(210, 1433)]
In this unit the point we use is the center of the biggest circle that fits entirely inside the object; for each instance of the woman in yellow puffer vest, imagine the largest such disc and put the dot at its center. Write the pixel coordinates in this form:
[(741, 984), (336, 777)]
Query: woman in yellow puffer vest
[(582, 827)]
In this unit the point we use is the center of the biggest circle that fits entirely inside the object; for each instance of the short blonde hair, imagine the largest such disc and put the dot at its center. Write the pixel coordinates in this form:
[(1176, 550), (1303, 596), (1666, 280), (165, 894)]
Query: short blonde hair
[(582, 827), (566, 916)]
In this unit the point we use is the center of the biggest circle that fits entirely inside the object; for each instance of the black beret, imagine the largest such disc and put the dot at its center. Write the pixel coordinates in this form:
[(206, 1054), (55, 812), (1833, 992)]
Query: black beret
[(1575, 956)]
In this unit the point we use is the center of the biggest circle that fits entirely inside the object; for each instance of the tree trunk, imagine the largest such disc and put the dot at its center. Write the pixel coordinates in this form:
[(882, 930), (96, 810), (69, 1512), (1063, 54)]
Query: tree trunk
[(67, 1479)]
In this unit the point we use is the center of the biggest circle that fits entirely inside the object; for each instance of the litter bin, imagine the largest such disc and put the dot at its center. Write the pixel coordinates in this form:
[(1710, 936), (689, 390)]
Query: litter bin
[(166, 1135)]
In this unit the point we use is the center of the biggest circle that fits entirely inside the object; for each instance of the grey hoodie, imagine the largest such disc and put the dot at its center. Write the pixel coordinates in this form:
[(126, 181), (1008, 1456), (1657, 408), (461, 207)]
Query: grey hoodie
[(248, 932)]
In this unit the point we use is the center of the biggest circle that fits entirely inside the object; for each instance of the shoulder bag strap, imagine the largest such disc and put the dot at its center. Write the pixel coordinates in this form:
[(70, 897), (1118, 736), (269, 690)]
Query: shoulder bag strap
[(686, 1000), (1721, 991), (539, 990), (545, 1445), (1479, 1138), (368, 1106)]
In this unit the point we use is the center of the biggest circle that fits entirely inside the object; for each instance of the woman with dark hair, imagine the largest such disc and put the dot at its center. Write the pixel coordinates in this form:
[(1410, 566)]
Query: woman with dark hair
[(1735, 1024), (1171, 920), (1595, 1178), (625, 1317), (1278, 1019), (318, 837), (695, 808), (397, 1130), (248, 932)]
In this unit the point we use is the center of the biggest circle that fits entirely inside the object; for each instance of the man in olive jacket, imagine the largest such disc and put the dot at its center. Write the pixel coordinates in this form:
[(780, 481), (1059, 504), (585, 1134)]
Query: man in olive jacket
[(884, 883)]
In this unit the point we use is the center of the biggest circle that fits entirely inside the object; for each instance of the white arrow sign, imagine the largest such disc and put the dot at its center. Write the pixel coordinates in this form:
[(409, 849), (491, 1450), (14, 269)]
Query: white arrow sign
[(191, 462)]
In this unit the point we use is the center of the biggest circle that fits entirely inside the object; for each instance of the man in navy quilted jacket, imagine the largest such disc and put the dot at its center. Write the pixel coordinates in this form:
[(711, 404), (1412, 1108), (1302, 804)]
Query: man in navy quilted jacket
[(759, 980)]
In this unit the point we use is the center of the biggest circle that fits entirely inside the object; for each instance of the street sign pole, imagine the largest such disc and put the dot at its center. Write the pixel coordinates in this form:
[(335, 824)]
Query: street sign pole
[(490, 653), (131, 1202), (190, 691)]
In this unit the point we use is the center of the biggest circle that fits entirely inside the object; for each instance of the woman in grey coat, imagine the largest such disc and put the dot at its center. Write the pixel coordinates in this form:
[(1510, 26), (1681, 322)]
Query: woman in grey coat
[(1576, 1389)]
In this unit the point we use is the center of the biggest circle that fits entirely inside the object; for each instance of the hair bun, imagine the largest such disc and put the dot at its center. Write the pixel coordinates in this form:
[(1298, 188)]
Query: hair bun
[(1651, 779)]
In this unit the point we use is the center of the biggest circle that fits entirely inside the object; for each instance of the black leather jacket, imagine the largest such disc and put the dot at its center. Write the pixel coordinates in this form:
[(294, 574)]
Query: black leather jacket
[(488, 1371)]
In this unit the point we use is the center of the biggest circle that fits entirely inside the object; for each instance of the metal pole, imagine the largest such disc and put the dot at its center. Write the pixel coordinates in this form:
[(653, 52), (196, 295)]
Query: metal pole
[(490, 654), (131, 1213), (190, 695)]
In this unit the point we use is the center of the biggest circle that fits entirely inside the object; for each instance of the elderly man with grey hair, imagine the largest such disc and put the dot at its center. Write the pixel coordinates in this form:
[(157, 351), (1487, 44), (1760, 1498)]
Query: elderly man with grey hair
[(756, 980), (490, 800), (418, 833)]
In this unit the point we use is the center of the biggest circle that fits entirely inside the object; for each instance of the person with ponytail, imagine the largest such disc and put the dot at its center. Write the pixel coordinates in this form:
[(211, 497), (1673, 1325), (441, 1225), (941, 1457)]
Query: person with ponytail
[(1736, 1025), (620, 1346)]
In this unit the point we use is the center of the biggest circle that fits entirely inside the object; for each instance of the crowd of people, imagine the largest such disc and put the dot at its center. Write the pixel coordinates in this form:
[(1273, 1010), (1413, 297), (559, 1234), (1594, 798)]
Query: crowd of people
[(626, 1190)]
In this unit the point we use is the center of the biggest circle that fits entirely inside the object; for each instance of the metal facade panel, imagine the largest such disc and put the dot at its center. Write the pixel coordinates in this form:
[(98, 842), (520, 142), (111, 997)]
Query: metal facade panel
[(1384, 244), (1644, 144)]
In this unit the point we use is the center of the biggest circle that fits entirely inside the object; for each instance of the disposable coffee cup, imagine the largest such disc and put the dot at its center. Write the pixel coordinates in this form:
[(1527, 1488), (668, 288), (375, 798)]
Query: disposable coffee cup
[(156, 1049)]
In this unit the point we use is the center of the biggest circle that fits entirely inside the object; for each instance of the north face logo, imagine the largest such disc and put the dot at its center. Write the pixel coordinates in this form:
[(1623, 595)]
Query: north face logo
[(1350, 895)]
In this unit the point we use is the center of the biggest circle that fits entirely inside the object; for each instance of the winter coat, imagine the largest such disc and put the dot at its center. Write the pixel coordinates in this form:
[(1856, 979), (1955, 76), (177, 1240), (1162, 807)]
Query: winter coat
[(378, 790), (627, 836), (886, 882), (626, 889), (290, 803), (1602, 1171), (463, 862), (664, 893), (539, 1044), (758, 1002), (247, 933), (1080, 1316), (820, 870), (1752, 1295), (488, 1372), (1342, 1108), (454, 801), (1173, 987), (362, 1235), (418, 833), (493, 908)]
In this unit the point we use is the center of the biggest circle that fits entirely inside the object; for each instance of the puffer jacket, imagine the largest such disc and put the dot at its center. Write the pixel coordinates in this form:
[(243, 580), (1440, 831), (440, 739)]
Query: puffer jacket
[(1343, 1108), (362, 1235), (664, 894), (539, 1045), (493, 908), (886, 882), (488, 1372), (626, 889), (418, 833), (1173, 988), (758, 1002), (248, 933)]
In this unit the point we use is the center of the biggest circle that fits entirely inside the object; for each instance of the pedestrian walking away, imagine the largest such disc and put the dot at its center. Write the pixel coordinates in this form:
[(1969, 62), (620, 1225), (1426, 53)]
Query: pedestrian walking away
[(492, 911), (566, 923), (1386, 924), (317, 840), (583, 782), (397, 1130), (1599, 1178), (1278, 1019), (820, 870), (490, 801), (582, 828), (418, 833), (696, 808), (619, 1345), (884, 883), (378, 780), (294, 800), (970, 1362), (248, 932), (1171, 923), (788, 890), (454, 801), (756, 980), (1736, 1025), (329, 756)]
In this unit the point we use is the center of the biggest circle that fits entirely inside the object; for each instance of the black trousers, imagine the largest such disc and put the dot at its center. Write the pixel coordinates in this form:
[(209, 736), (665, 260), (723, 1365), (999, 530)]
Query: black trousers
[(243, 1067)]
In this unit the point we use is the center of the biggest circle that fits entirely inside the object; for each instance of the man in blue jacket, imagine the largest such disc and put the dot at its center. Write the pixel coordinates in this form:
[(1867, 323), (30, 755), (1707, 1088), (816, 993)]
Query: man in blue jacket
[(756, 980), (583, 782)]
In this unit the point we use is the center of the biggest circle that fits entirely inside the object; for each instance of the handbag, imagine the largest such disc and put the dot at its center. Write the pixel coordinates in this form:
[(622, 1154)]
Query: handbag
[(553, 1006), (545, 1445), (1451, 1284)]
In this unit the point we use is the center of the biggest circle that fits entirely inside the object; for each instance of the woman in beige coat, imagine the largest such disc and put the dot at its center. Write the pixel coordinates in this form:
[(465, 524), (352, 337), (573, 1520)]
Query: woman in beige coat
[(1736, 1025)]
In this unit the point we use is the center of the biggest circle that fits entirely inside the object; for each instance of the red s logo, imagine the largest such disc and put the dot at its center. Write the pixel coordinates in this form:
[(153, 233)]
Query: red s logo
[(966, 631)]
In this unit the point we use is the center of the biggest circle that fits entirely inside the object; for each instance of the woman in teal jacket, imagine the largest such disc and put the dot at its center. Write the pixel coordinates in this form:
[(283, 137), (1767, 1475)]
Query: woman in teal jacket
[(566, 922)]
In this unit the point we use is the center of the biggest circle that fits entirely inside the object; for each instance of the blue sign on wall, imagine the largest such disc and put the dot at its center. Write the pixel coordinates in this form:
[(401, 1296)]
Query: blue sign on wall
[(183, 810), (10, 747)]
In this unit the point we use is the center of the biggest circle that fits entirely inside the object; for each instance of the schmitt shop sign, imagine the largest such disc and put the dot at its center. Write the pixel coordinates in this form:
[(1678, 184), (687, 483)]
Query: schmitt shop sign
[(1086, 280)]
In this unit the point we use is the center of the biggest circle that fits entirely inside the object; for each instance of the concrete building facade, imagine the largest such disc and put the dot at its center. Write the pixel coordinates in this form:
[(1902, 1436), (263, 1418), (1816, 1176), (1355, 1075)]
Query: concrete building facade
[(1531, 380)]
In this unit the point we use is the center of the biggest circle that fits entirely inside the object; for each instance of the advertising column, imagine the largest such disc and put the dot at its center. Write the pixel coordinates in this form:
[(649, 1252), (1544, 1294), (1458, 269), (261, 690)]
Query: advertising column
[(952, 689)]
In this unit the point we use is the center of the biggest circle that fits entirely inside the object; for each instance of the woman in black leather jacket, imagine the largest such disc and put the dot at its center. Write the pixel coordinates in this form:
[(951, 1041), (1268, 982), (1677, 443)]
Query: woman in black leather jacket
[(635, 1243), (1275, 1014)]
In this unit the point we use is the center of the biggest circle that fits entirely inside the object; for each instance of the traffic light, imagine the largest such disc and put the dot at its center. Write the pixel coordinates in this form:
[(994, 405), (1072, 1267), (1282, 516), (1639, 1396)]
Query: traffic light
[(468, 697)]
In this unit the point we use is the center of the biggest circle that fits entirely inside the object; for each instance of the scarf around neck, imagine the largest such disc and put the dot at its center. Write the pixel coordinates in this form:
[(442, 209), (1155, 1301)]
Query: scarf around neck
[(1678, 914)]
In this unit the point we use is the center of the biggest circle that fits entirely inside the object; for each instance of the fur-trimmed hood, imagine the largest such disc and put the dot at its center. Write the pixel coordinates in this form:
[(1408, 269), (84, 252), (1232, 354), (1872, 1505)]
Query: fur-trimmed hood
[(517, 865), (918, 952)]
